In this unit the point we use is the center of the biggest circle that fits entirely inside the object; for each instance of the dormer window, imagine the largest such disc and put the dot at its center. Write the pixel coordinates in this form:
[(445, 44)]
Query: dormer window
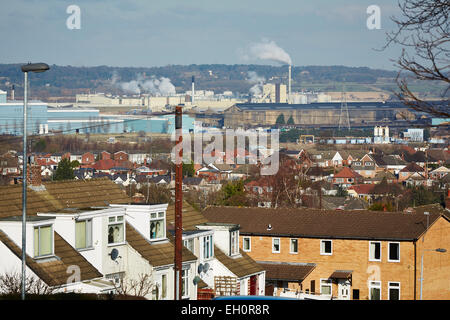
[(83, 234), (157, 225), (43, 241), (207, 247), (234, 242), (116, 230)]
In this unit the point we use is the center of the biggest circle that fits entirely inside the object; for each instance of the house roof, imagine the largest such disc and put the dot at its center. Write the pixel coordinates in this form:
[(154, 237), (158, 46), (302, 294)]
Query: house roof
[(58, 195), (346, 172), (314, 223), (240, 266), (362, 188), (286, 271), (54, 272), (158, 254), (412, 167)]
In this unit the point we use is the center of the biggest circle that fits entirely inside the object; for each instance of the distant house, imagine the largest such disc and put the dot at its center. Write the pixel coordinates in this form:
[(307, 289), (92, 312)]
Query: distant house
[(121, 156), (87, 158), (361, 191), (347, 177), (410, 169), (439, 173)]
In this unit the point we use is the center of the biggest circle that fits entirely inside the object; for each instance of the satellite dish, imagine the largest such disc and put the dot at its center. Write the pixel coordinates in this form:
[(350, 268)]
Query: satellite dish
[(200, 268), (206, 267), (196, 280), (114, 254)]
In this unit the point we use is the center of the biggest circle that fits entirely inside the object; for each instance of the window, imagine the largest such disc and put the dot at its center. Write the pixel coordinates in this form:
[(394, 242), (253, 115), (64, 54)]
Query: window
[(116, 232), (43, 241), (247, 244), (325, 286), (164, 286), (184, 283), (234, 242), (394, 290), (207, 247), (157, 225), (394, 252), (375, 251), (326, 247), (375, 290), (276, 245), (189, 244), (355, 294), (83, 234), (294, 246)]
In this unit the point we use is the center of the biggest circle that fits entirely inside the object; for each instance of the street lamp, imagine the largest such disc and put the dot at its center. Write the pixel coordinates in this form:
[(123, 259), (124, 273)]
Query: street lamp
[(30, 67), (441, 250)]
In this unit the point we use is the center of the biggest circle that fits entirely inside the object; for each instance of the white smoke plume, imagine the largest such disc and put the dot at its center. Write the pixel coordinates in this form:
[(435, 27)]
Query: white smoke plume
[(257, 81), (268, 50), (157, 87)]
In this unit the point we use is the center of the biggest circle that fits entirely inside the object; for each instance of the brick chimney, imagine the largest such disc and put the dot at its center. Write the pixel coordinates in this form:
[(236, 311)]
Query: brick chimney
[(34, 177)]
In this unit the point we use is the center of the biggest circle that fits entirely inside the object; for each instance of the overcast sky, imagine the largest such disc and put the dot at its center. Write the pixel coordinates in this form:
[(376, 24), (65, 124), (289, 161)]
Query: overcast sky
[(158, 33)]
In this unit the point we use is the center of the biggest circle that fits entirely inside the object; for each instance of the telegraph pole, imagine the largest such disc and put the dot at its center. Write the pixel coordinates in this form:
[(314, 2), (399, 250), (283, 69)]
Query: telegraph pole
[(178, 202)]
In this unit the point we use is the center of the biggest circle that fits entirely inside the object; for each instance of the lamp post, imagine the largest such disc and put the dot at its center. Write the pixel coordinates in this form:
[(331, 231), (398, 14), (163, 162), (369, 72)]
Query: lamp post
[(30, 67), (441, 250)]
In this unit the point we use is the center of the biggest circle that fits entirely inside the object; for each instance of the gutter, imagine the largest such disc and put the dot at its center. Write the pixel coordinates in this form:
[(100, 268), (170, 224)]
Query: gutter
[(415, 269)]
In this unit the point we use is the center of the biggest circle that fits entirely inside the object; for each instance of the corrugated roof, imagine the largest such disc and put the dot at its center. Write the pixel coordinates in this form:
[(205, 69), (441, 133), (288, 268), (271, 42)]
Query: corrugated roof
[(315, 223)]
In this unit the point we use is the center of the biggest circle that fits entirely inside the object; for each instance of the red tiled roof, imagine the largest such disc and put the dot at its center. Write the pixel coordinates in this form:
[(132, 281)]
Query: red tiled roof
[(346, 172), (412, 167), (362, 188)]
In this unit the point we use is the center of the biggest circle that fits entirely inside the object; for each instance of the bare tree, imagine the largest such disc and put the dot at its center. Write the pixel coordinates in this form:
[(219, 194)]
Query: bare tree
[(423, 33), (139, 287), (11, 283)]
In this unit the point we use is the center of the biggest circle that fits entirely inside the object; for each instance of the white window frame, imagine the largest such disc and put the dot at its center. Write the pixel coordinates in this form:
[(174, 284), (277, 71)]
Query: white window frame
[(249, 244), (158, 218), (376, 285), (167, 286), (116, 222), (394, 285), (189, 244), (273, 245), (52, 241), (207, 241), (290, 245), (328, 283), (89, 229), (234, 242), (370, 253), (389, 252), (326, 253), (185, 280)]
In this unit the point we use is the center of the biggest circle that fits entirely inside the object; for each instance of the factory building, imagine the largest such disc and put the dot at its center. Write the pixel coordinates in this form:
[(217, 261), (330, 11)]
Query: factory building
[(327, 114), (43, 119)]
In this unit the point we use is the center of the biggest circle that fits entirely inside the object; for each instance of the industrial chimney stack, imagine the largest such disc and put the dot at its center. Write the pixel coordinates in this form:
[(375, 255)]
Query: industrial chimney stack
[(12, 93), (289, 85), (193, 90)]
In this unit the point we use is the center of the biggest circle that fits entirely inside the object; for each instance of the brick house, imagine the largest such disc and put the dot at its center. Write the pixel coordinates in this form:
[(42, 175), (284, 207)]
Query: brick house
[(409, 170), (347, 177), (88, 158), (121, 156), (344, 254)]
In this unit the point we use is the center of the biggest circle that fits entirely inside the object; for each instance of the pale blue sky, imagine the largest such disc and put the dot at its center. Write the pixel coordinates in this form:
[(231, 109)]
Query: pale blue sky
[(150, 33)]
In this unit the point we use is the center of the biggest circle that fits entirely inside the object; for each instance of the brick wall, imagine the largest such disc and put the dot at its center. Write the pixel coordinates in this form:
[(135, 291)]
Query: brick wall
[(354, 255)]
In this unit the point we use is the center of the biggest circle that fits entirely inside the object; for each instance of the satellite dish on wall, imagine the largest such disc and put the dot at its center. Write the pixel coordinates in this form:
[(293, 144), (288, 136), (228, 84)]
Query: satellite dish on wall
[(200, 268), (206, 267), (114, 254)]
